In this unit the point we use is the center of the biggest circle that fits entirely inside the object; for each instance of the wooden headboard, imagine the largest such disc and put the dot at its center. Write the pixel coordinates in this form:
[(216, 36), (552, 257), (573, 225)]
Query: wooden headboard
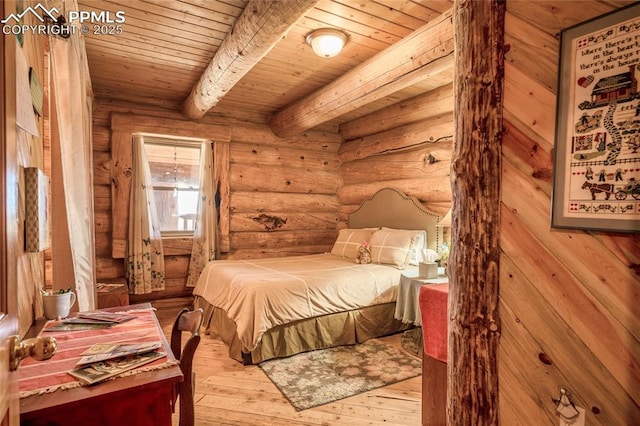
[(394, 209)]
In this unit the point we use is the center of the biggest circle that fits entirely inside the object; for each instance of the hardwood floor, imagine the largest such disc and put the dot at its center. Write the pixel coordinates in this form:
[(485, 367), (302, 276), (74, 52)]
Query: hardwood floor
[(228, 393)]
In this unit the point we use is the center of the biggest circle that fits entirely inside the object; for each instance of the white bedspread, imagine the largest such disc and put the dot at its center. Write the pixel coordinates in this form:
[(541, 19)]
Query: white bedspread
[(262, 293)]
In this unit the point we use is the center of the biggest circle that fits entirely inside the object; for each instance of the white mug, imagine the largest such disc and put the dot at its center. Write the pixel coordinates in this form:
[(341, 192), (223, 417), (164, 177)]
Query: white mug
[(58, 305)]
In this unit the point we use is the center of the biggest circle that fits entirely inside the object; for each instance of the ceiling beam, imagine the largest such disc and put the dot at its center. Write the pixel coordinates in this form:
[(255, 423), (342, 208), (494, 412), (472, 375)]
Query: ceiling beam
[(257, 30), (426, 52)]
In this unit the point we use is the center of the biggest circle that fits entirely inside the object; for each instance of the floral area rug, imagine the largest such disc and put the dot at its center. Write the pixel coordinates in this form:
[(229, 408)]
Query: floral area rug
[(319, 377)]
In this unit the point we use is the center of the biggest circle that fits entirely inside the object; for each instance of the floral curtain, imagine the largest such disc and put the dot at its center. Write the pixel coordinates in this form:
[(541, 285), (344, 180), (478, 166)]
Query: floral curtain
[(144, 259), (204, 234)]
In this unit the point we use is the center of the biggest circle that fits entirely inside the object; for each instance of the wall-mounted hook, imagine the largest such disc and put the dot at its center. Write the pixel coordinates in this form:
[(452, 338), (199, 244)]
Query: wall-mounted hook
[(565, 408), (59, 26), (431, 159)]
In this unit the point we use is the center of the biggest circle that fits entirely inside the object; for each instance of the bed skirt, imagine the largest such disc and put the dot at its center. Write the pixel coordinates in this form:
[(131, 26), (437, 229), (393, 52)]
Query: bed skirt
[(343, 328)]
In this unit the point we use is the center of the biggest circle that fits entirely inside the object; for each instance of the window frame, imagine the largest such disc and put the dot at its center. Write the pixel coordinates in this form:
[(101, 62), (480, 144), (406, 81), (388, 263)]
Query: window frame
[(174, 141), (123, 126)]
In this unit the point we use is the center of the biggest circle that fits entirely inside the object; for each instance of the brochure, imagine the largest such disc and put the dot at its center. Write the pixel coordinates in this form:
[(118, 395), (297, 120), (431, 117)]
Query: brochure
[(106, 316), (80, 320), (105, 351), (103, 370), (64, 326)]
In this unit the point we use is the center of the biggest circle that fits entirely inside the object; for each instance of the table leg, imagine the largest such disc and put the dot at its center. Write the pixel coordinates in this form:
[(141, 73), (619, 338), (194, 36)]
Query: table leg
[(434, 391)]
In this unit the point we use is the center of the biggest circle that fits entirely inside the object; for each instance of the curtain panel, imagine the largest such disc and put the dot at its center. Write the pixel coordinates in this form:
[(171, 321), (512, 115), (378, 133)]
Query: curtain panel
[(73, 110), (204, 234), (144, 260)]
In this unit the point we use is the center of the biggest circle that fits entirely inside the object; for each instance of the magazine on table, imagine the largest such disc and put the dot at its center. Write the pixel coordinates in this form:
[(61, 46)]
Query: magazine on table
[(105, 316), (81, 320), (93, 320), (103, 370), (105, 351), (65, 326)]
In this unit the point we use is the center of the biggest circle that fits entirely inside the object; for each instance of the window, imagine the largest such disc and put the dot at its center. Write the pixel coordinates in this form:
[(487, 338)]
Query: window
[(175, 175)]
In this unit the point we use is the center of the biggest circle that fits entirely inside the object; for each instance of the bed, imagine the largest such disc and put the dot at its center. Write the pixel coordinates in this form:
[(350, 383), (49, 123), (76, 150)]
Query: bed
[(276, 307)]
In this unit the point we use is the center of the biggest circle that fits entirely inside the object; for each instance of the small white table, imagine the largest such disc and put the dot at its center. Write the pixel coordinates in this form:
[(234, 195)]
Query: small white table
[(407, 304)]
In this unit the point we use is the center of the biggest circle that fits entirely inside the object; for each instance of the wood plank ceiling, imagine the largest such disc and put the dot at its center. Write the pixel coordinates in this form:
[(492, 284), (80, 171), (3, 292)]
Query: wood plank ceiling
[(167, 44)]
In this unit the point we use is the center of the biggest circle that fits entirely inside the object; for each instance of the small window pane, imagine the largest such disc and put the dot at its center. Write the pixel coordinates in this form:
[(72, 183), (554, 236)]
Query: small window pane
[(175, 174)]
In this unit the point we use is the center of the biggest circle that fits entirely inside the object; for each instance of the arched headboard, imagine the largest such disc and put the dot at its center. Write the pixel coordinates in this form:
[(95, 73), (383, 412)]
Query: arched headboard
[(392, 208)]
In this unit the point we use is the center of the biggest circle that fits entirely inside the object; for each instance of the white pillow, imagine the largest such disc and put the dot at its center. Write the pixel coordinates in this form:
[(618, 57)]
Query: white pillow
[(349, 241), (393, 246)]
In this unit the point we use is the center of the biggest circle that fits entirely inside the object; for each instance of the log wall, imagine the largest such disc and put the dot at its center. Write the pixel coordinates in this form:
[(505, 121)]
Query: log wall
[(405, 146), (278, 195), (568, 299)]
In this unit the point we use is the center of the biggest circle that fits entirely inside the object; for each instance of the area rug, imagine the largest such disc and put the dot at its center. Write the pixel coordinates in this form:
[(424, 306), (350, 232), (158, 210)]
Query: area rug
[(319, 377)]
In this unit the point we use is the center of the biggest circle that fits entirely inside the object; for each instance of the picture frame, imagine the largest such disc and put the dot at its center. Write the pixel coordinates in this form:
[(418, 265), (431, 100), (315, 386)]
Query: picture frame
[(37, 230), (596, 172)]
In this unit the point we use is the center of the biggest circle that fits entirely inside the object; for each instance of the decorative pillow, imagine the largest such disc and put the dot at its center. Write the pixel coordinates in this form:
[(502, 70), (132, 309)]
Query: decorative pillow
[(349, 241), (393, 246)]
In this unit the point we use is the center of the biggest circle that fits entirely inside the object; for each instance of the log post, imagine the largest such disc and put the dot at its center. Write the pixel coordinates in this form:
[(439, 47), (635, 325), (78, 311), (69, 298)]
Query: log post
[(474, 327)]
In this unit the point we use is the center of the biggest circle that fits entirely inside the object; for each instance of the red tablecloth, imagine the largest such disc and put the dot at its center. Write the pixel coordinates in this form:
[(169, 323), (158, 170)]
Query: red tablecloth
[(433, 301), (37, 377)]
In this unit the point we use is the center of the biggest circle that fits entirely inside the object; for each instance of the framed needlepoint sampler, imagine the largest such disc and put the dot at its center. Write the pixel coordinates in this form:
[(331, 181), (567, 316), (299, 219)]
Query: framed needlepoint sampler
[(596, 182)]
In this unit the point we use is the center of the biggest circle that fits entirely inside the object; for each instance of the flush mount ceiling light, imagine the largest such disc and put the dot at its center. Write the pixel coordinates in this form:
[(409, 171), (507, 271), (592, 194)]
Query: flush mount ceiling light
[(327, 42)]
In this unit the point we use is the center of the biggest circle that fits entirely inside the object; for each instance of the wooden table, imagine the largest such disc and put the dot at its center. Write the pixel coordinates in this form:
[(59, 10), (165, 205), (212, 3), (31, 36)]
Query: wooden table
[(140, 399)]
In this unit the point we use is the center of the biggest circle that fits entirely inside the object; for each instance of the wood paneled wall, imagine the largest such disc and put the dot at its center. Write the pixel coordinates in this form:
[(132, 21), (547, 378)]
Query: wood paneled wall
[(30, 153), (278, 194), (568, 298)]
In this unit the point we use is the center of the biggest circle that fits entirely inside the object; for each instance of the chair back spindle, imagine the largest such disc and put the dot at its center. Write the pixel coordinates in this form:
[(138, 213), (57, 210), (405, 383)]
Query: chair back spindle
[(186, 322)]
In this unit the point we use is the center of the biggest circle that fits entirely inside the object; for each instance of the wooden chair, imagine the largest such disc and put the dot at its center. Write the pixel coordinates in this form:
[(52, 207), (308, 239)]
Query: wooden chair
[(190, 322)]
